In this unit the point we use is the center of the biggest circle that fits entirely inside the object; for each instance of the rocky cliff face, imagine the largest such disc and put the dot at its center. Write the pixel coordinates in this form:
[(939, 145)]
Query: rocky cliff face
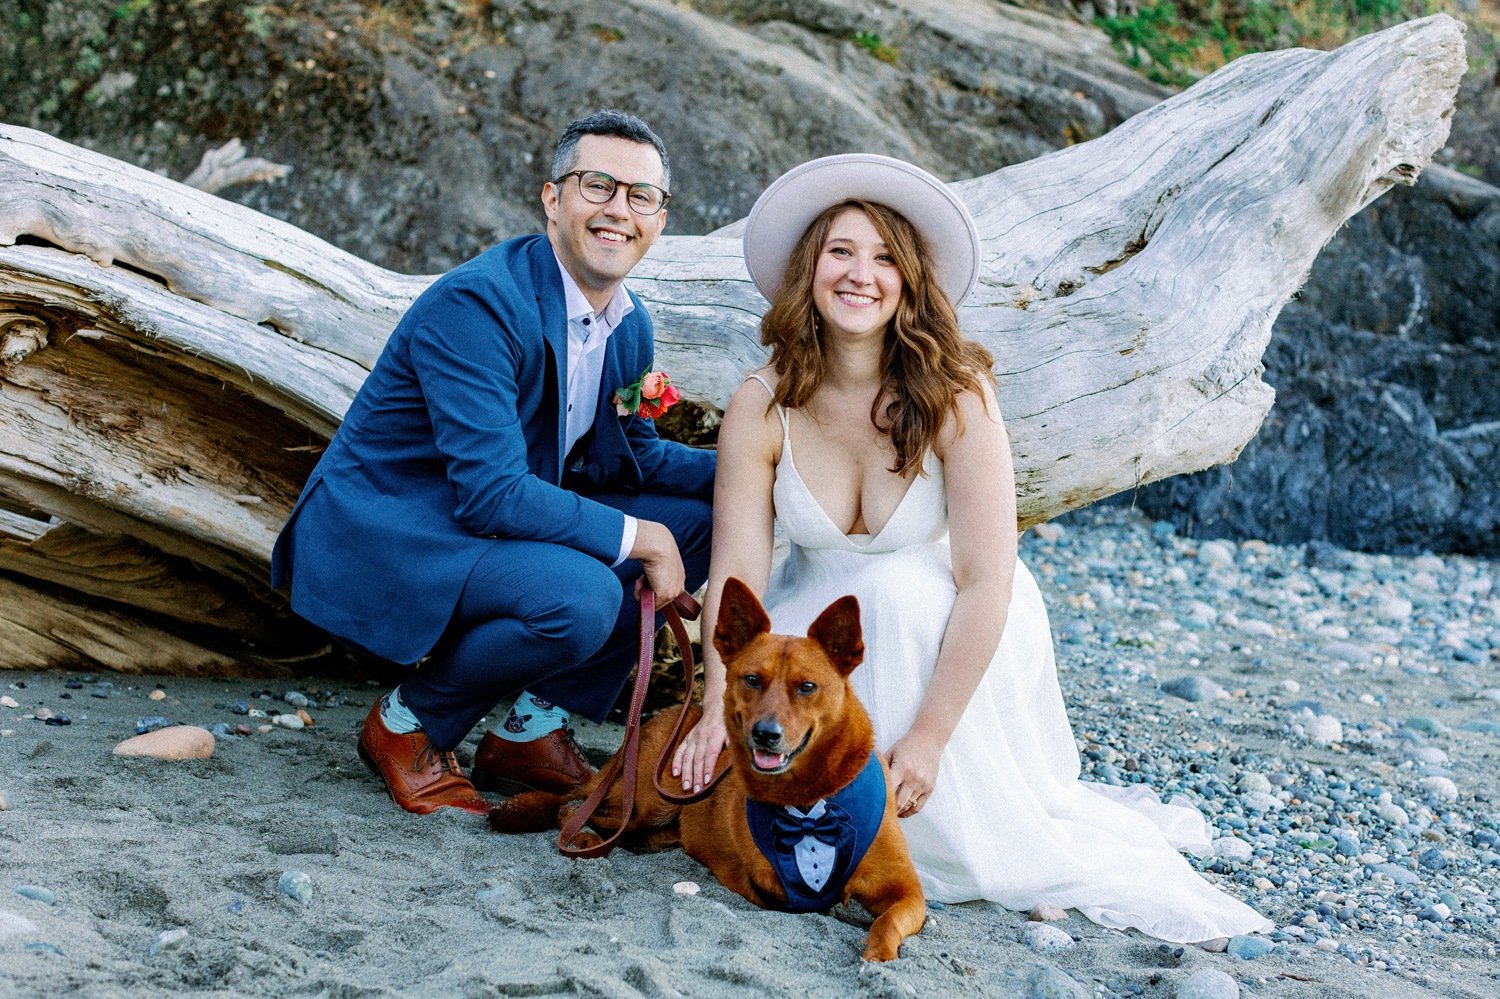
[(419, 133)]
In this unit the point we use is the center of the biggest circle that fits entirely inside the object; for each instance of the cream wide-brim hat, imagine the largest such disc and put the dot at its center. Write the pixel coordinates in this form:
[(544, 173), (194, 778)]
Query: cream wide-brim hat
[(785, 209)]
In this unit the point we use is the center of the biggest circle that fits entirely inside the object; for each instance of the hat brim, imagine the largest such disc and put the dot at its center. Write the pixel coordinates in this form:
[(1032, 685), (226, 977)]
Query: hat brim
[(785, 209)]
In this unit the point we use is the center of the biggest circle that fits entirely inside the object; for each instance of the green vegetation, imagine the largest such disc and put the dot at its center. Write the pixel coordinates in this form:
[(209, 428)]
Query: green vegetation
[(606, 34), (1176, 41), (871, 43)]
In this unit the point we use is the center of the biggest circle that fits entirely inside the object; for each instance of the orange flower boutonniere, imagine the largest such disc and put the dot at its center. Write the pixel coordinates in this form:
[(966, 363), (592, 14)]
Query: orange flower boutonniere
[(649, 396)]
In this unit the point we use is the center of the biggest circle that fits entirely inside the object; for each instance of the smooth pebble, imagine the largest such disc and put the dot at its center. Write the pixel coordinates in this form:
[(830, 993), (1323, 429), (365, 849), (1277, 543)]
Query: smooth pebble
[(1208, 983), (1044, 937), (1248, 948), (176, 742), (169, 939), (1439, 789), (37, 894), (296, 884), (1048, 982), (1233, 849)]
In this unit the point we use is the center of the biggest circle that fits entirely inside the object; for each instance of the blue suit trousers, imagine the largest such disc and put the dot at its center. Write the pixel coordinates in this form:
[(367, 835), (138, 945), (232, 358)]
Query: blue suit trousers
[(548, 619)]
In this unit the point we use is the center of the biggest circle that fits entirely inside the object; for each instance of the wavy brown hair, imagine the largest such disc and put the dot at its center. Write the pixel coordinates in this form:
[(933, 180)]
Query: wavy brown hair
[(927, 362)]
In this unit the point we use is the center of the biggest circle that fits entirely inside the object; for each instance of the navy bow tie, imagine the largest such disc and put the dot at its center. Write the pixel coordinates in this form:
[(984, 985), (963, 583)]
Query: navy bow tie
[(789, 829)]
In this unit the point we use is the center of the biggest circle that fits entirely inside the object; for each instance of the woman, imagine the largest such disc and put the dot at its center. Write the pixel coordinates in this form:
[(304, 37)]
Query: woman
[(874, 438)]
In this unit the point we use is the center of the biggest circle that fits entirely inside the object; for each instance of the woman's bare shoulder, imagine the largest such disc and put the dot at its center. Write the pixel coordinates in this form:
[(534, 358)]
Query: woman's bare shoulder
[(976, 410), (751, 412)]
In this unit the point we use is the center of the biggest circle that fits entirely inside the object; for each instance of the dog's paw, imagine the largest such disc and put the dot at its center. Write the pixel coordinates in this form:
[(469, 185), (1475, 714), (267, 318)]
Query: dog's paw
[(533, 811)]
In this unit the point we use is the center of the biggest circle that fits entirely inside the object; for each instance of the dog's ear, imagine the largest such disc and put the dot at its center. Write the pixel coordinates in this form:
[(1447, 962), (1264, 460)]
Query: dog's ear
[(741, 619), (837, 630)]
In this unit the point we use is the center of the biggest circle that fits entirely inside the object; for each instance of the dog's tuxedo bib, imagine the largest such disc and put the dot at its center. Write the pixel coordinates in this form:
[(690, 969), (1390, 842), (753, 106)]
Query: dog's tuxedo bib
[(814, 850)]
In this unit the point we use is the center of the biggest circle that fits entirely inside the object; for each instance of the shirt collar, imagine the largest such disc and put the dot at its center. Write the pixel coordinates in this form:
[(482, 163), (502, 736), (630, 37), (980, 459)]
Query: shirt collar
[(618, 307)]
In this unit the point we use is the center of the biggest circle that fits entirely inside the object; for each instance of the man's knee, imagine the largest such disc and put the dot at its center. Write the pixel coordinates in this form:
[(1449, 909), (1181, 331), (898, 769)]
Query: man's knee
[(575, 610)]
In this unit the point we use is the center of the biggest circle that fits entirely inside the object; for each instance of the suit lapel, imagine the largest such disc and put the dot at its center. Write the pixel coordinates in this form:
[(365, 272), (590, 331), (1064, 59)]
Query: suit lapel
[(552, 308)]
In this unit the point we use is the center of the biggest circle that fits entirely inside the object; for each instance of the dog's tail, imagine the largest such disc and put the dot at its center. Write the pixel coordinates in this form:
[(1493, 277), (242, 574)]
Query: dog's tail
[(529, 811)]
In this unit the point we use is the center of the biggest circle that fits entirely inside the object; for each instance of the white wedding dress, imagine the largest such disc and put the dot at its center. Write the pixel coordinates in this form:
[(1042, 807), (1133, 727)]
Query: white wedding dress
[(1008, 820)]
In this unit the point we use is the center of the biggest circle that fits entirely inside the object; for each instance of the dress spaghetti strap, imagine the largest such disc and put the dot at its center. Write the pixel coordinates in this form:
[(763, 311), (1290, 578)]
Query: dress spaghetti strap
[(786, 429)]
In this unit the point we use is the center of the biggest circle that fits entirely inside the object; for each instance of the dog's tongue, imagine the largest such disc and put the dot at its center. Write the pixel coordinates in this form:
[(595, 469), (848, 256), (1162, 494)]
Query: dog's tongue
[(769, 761)]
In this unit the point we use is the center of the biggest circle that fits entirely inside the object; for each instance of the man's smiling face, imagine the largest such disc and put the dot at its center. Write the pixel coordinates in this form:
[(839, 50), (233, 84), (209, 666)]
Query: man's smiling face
[(600, 244)]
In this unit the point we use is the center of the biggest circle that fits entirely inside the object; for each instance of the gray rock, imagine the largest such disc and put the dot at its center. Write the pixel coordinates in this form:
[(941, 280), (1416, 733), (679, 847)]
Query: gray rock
[(1424, 725), (37, 894), (296, 884), (1193, 688), (1051, 983), (1393, 813), (1323, 730), (1397, 873), (169, 940), (1439, 789), (1346, 844), (1248, 948), (1217, 554), (1208, 983), (1232, 849), (1044, 938), (1251, 781)]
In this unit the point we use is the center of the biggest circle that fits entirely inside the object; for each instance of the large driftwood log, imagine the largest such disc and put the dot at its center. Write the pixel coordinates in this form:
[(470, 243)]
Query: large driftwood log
[(170, 363)]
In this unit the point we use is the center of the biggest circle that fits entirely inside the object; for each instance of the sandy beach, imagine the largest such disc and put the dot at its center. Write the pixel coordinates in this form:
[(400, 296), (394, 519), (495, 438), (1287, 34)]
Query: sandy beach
[(1333, 715)]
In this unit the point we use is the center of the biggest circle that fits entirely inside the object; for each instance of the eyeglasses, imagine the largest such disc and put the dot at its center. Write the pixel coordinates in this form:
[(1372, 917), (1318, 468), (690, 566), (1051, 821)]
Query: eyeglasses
[(644, 199)]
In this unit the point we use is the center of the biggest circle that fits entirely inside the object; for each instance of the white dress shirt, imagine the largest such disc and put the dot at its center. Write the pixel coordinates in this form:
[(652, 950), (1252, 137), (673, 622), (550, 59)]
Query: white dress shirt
[(588, 335)]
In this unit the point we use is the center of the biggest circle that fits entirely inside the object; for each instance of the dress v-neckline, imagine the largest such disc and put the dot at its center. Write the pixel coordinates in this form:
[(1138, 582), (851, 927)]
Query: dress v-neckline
[(791, 462)]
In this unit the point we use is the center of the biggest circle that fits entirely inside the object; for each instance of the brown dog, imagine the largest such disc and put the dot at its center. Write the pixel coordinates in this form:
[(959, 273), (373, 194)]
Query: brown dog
[(798, 737)]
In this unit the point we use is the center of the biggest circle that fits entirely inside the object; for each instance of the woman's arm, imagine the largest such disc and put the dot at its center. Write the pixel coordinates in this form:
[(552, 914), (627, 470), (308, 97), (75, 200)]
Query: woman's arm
[(980, 482), (749, 444)]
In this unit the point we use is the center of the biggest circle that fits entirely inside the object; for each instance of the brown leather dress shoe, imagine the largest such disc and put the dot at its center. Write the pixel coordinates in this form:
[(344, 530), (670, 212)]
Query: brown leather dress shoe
[(550, 763), (420, 777)]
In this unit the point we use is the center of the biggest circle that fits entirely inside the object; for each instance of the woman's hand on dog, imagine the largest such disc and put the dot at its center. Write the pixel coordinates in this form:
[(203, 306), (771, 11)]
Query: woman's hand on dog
[(913, 765), (698, 752)]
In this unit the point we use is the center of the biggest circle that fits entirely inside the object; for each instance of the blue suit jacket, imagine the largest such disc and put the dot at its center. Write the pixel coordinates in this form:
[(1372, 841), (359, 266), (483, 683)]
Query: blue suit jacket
[(455, 438)]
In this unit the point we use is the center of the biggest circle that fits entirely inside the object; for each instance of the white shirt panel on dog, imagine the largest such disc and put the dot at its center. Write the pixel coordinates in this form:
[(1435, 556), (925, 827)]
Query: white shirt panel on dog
[(814, 857)]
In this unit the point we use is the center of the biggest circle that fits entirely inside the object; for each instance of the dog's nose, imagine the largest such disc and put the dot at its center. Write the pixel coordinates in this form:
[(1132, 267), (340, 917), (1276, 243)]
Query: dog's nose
[(766, 733)]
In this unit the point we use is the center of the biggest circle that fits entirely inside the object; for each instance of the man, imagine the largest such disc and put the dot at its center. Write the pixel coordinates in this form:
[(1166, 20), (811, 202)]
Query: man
[(484, 505)]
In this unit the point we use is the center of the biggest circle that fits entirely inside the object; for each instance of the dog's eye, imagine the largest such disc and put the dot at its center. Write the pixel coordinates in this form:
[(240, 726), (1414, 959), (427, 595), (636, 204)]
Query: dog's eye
[(752, 681), (806, 687)]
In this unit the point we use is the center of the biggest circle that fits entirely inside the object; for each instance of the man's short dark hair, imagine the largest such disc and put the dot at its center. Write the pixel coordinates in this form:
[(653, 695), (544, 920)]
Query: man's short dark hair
[(612, 123)]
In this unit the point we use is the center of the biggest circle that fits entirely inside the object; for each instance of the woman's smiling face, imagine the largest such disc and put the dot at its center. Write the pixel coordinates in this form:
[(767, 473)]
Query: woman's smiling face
[(857, 285)]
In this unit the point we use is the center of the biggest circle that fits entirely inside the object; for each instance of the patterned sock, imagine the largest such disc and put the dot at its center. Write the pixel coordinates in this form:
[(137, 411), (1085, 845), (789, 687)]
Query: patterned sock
[(397, 716), (530, 718)]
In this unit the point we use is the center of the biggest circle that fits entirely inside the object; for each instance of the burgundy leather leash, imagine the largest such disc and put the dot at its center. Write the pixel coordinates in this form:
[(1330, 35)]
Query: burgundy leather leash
[(624, 764)]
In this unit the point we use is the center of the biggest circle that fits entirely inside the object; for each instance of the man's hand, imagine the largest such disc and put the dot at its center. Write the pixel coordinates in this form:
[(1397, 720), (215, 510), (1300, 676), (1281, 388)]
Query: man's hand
[(657, 552)]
